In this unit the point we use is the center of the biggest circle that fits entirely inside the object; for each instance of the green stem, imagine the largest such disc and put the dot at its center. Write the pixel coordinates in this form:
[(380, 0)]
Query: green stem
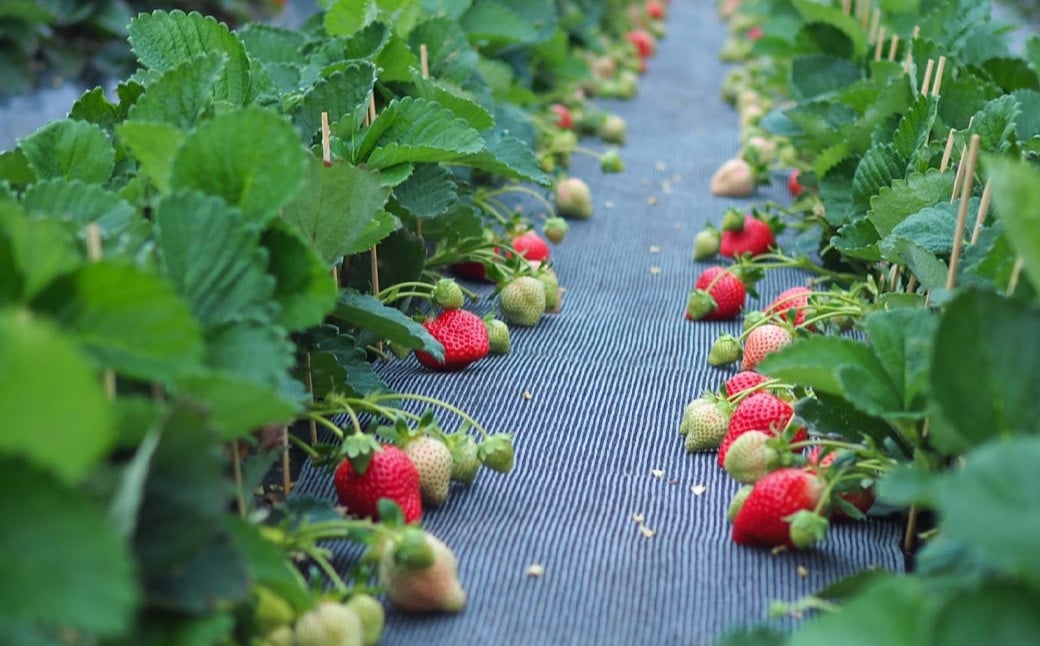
[(436, 402), (518, 188)]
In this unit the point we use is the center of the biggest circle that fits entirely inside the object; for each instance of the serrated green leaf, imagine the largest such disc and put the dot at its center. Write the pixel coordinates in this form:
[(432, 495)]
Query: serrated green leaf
[(416, 130), (348, 16), (304, 287), (994, 610), (344, 95), (877, 169), (428, 192), (904, 197), (236, 405), (339, 210), (833, 415), (508, 157), (61, 524), (1012, 74), (164, 40), (448, 8), (998, 338), (128, 320), (15, 168), (995, 124), (929, 270), (36, 252), (396, 61), (858, 239), (367, 42), (94, 107), (829, 158), (338, 364), (213, 259), (256, 351), (271, 44), (1027, 125), (80, 203), (813, 12), (182, 93), (964, 92), (252, 158), (901, 340), (67, 149), (155, 146), (1016, 192), (916, 125), (816, 362), (455, 99), (451, 57), (369, 313), (493, 21), (819, 74), (932, 227)]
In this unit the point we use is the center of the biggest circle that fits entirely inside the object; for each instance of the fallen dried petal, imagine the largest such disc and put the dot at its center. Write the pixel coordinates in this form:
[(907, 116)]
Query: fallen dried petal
[(698, 490), (527, 394), (647, 532)]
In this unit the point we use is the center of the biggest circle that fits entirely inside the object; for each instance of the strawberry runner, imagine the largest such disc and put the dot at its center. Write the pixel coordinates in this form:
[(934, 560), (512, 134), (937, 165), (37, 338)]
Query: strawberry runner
[(626, 531)]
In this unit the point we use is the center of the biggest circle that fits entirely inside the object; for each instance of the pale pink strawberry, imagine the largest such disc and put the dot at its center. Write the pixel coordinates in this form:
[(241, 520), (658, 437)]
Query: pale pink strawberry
[(761, 341)]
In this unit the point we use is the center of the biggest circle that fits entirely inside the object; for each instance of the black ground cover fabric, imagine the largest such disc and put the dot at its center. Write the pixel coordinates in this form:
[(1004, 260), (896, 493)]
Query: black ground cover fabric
[(607, 381)]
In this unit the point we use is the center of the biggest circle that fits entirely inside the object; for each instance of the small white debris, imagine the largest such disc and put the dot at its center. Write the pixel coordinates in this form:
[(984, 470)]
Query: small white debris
[(655, 249), (803, 571), (657, 473), (655, 270), (528, 395), (608, 204), (647, 532), (536, 570), (652, 200), (698, 490), (638, 517), (666, 187), (661, 166)]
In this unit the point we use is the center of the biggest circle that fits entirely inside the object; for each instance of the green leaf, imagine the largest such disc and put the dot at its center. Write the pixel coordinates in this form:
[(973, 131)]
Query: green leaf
[(915, 126), (877, 169), (816, 361), (1027, 125), (182, 93), (155, 146), (82, 204), (416, 130), (256, 351), (339, 210), (820, 74), (932, 227), (94, 107), (130, 321), (455, 99), (1000, 340), (929, 270), (830, 414), (1016, 192), (344, 95), (451, 57), (901, 340), (59, 524), (895, 611), (269, 566), (814, 12), (995, 124), (368, 42), (165, 40), (369, 313), (304, 287), (348, 16), (68, 149), (272, 44), (508, 157), (858, 239), (1011, 74), (213, 259), (49, 386), (990, 505), (236, 405), (338, 364), (998, 612), (396, 61), (15, 169), (428, 192), (39, 251), (492, 21), (252, 158), (904, 197)]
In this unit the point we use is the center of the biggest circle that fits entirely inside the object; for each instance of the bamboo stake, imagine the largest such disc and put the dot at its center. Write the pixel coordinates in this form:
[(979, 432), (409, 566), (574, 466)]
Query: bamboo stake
[(286, 463), (236, 461), (92, 234), (309, 384), (1016, 271), (947, 152), (373, 253), (909, 52), (880, 44), (846, 7), (927, 77), (962, 212), (960, 168), (326, 140), (939, 76), (987, 195), (863, 13), (893, 48), (424, 61), (372, 108), (875, 22)]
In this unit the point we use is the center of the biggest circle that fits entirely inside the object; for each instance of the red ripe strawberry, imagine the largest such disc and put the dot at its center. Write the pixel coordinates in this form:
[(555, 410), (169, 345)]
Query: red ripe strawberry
[(470, 270), (793, 185), (390, 474), (719, 295), (761, 411), (464, 337), (778, 495), (655, 10), (755, 239), (643, 41), (754, 33), (531, 246), (564, 118), (761, 341), (796, 298), (744, 380), (862, 499)]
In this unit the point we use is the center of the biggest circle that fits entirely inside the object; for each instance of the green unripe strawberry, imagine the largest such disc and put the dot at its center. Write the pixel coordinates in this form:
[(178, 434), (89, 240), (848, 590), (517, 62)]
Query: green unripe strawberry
[(725, 350), (465, 460), (573, 198), (372, 616), (271, 610), (522, 301), (613, 130), (627, 86), (329, 624), (705, 423), (738, 502), (280, 636), (496, 453), (498, 336), (750, 458), (733, 220), (706, 244), (555, 229), (752, 319), (807, 529), (552, 288), (610, 162), (448, 295)]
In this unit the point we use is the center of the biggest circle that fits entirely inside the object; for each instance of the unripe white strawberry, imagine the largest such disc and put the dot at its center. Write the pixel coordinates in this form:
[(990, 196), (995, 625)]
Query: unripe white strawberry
[(522, 301), (573, 198), (329, 624), (733, 179), (428, 589), (432, 459)]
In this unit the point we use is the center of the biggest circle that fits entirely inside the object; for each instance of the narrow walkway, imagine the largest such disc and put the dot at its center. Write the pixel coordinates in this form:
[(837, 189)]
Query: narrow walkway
[(608, 379)]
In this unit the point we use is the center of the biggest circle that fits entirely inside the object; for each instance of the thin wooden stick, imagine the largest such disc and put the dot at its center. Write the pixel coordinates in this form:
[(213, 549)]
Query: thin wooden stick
[(947, 152), (911, 285), (910, 51), (1016, 271), (927, 77), (917, 31), (863, 13), (880, 44), (424, 61), (326, 140), (875, 22), (846, 7), (960, 168), (911, 530), (236, 461), (939, 76), (893, 48), (309, 384), (92, 235), (987, 196), (286, 463), (962, 212), (372, 108)]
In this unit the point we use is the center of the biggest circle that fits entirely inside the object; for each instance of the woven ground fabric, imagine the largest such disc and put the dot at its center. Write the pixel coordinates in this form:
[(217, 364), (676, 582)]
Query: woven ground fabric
[(597, 440)]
